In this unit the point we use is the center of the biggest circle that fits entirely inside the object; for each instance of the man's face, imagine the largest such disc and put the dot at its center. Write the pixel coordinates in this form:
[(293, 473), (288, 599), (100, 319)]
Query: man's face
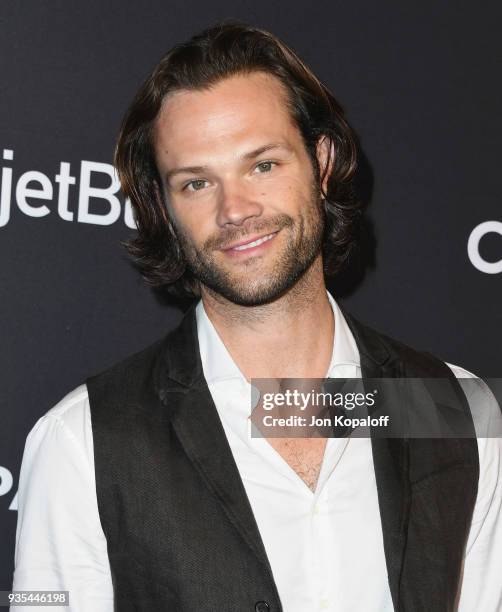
[(240, 187)]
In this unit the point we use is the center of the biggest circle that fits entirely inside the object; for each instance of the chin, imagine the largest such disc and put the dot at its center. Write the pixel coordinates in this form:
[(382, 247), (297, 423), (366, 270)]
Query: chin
[(253, 294)]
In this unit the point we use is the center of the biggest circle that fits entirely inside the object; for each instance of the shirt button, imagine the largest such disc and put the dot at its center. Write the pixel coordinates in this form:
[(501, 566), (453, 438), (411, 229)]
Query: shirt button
[(261, 606)]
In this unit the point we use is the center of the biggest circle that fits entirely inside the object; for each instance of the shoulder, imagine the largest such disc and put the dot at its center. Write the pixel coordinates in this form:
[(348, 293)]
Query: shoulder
[(461, 372), (70, 418), (127, 380), (69, 411), (141, 361), (65, 426), (141, 374), (70, 406)]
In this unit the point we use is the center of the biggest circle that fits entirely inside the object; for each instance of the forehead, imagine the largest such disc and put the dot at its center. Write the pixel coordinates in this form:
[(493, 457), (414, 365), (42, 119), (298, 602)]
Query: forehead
[(243, 108)]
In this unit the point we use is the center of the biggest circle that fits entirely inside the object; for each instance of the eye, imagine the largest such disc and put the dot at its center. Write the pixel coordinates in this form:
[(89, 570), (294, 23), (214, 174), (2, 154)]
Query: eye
[(198, 185), (266, 166)]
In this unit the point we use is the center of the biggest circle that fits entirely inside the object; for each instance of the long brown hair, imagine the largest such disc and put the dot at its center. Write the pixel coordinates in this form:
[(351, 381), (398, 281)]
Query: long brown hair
[(220, 51)]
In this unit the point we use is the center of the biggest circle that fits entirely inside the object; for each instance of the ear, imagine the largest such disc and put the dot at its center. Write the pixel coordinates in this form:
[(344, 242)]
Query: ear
[(326, 157)]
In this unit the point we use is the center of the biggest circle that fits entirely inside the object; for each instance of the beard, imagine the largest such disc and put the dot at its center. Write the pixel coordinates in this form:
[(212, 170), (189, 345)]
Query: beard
[(303, 238)]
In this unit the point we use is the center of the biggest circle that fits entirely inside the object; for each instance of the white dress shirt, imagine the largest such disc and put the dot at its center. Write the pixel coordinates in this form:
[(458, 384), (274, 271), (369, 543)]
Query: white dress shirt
[(325, 547)]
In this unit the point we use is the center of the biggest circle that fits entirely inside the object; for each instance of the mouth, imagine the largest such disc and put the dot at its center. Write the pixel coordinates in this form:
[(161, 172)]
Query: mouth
[(250, 245)]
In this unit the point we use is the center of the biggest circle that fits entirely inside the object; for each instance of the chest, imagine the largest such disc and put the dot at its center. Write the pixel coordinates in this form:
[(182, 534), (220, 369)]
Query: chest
[(303, 455)]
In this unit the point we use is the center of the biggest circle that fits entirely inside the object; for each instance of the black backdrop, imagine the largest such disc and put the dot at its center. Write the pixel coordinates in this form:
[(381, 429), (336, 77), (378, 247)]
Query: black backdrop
[(421, 84)]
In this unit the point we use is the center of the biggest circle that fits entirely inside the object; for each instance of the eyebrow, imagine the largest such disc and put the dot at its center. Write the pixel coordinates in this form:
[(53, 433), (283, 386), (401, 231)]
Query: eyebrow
[(247, 156)]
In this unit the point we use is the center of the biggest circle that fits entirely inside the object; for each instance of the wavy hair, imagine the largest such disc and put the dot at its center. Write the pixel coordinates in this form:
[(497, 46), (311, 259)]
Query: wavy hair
[(225, 49)]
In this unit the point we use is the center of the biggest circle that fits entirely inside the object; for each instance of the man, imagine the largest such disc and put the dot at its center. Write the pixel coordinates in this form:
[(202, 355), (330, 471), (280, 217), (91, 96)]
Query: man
[(143, 489)]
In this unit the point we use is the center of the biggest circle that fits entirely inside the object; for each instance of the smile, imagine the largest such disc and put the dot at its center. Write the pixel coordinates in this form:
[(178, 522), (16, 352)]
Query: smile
[(255, 243)]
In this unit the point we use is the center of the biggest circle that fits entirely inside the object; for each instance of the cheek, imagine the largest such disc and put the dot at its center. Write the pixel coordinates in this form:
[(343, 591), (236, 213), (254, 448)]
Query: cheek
[(295, 194), (193, 221), (287, 193)]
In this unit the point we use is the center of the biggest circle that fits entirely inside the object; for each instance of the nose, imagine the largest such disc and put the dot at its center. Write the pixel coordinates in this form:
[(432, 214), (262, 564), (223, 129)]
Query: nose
[(236, 204)]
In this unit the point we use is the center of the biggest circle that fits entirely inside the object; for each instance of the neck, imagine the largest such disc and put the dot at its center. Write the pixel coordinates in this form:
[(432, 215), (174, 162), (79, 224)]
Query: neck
[(289, 337)]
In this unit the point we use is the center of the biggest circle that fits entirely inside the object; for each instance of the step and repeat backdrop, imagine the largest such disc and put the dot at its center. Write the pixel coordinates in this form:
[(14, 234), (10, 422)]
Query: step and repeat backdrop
[(420, 84)]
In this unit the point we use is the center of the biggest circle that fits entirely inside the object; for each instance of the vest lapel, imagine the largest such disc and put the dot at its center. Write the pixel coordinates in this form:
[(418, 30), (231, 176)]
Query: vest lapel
[(390, 459), (180, 382)]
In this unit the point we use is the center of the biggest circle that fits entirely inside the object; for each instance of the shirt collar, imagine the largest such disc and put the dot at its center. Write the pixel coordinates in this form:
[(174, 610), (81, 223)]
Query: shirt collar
[(218, 364)]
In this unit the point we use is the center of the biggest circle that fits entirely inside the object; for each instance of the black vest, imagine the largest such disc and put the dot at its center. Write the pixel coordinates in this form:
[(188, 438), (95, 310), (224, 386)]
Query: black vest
[(180, 531)]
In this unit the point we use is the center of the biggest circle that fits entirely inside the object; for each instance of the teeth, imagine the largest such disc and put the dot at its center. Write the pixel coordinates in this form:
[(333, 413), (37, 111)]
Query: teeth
[(253, 244)]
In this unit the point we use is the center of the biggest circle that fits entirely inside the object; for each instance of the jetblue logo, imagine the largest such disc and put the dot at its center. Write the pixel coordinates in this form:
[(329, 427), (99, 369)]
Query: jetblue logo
[(38, 195)]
